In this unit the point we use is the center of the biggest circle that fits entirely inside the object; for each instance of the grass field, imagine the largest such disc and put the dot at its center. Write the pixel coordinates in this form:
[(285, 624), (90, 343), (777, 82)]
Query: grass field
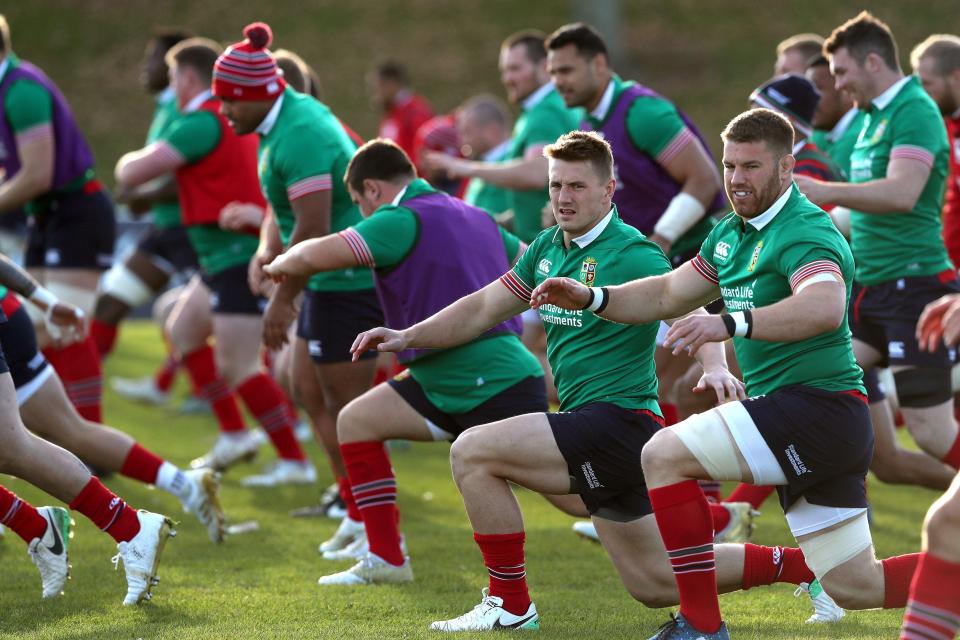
[(263, 584)]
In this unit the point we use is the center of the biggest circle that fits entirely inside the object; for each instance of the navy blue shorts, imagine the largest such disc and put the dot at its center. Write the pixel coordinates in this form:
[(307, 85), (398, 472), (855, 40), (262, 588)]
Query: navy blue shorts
[(823, 441), (527, 396), (601, 443), (230, 293), (18, 340), (72, 231), (885, 316), (331, 320), (169, 249)]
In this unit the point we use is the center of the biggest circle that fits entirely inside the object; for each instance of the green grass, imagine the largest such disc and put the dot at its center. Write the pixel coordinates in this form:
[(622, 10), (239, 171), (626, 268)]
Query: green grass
[(263, 584)]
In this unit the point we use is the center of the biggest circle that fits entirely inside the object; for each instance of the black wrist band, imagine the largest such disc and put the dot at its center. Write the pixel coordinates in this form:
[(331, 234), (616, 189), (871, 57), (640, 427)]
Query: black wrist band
[(729, 323), (589, 300), (606, 301), (749, 318)]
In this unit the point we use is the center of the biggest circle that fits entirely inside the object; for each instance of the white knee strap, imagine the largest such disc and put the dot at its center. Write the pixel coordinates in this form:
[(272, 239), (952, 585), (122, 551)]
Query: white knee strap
[(707, 438), (77, 296), (126, 286), (830, 550)]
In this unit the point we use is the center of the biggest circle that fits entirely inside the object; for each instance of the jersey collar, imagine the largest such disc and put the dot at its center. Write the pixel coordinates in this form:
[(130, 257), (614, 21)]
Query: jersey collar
[(498, 152), (396, 201), (584, 241), (843, 124), (883, 100), (767, 216), (164, 97), (600, 112), (537, 96), (266, 126), (197, 100)]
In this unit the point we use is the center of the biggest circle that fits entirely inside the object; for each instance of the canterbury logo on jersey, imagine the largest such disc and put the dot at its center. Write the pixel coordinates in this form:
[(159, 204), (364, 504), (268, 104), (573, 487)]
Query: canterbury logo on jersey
[(544, 266), (722, 250)]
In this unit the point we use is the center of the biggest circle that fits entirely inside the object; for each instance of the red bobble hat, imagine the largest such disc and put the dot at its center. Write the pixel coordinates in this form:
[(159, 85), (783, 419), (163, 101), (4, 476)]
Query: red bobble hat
[(247, 70)]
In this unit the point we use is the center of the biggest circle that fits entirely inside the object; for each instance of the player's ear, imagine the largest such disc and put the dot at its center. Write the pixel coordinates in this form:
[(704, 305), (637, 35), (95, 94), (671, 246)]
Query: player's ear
[(371, 189), (787, 163)]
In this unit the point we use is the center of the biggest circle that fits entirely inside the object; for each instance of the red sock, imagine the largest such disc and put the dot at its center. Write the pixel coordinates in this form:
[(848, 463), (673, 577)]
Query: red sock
[(720, 517), (78, 366), (767, 565), (374, 489), (21, 516), (711, 489), (163, 379), (106, 510), (347, 496), (670, 413), (503, 557), (268, 404), (897, 573), (141, 465), (953, 456), (934, 607), (753, 494), (683, 517), (202, 369), (104, 336)]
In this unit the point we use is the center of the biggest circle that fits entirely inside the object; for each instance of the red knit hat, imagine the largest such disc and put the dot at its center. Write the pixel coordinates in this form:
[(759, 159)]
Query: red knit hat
[(247, 70)]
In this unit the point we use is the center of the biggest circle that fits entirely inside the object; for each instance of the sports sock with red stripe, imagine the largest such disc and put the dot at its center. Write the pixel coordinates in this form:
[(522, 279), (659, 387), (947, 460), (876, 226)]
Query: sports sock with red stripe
[(207, 383), (78, 366), (267, 402), (897, 574), (20, 516), (374, 489), (503, 557), (754, 494), (767, 565), (933, 610), (104, 336), (166, 374), (106, 510)]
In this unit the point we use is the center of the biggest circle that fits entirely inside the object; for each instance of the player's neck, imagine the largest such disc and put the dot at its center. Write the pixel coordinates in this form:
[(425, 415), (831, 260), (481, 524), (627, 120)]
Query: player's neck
[(598, 94), (884, 80)]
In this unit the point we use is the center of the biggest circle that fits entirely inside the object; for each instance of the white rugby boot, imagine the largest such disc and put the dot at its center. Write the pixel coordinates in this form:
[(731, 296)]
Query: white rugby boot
[(283, 472), (228, 450), (490, 615), (348, 531), (825, 610), (141, 555), (371, 569), (586, 530), (204, 501), (50, 551), (141, 390)]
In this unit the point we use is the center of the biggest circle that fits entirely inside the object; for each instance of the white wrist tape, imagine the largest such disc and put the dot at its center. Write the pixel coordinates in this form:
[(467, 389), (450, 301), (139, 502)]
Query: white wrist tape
[(43, 297), (599, 297), (681, 214), (742, 325)]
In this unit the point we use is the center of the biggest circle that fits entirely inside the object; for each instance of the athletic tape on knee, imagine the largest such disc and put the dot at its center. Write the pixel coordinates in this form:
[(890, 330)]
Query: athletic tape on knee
[(833, 548), (922, 387), (705, 435), (124, 285), (77, 296)]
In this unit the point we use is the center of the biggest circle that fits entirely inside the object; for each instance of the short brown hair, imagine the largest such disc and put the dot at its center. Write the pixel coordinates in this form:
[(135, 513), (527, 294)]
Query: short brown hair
[(5, 43), (943, 49), (583, 146), (863, 35), (294, 69), (588, 42), (379, 159), (806, 44), (199, 54), (532, 42), (761, 125)]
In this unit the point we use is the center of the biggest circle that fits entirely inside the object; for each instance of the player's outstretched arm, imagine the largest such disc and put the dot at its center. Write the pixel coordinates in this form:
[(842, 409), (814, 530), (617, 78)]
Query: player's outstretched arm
[(313, 256), (523, 174), (61, 315), (897, 192), (458, 323), (645, 300), (138, 167)]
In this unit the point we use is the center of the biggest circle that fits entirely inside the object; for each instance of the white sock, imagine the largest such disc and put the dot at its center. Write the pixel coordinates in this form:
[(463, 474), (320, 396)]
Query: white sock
[(172, 480)]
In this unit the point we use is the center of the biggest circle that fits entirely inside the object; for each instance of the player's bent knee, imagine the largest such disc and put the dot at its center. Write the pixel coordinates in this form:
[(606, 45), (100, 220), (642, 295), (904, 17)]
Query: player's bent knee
[(942, 522), (354, 423), (122, 283), (467, 451)]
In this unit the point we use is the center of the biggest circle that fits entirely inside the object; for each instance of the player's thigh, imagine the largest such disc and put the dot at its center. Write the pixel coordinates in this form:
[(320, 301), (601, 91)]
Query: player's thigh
[(381, 414), (867, 355), (522, 449), (13, 435), (144, 266), (637, 553), (343, 381)]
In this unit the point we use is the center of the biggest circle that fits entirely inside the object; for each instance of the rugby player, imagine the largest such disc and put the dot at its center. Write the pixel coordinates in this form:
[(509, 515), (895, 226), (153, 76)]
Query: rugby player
[(404, 111), (898, 170), (214, 168), (795, 52), (164, 249), (837, 120), (48, 170), (303, 152), (608, 404), (484, 127), (933, 610), (47, 412), (784, 273), (428, 249)]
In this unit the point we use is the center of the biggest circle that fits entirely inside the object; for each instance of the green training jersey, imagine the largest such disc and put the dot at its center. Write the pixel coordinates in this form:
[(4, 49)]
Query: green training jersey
[(594, 360), (903, 122), (165, 214), (653, 123), (194, 136), (545, 118), (459, 379), (838, 143), (759, 263), (304, 149), (489, 197)]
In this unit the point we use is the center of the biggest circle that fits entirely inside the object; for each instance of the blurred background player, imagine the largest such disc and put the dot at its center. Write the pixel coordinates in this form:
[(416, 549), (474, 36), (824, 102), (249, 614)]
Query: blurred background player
[(404, 111), (837, 120), (795, 53), (303, 152), (898, 171), (214, 168), (484, 127), (48, 170)]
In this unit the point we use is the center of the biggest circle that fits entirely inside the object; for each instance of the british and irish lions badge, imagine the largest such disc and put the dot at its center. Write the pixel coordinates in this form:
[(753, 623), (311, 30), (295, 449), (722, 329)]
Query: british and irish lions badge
[(588, 271)]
